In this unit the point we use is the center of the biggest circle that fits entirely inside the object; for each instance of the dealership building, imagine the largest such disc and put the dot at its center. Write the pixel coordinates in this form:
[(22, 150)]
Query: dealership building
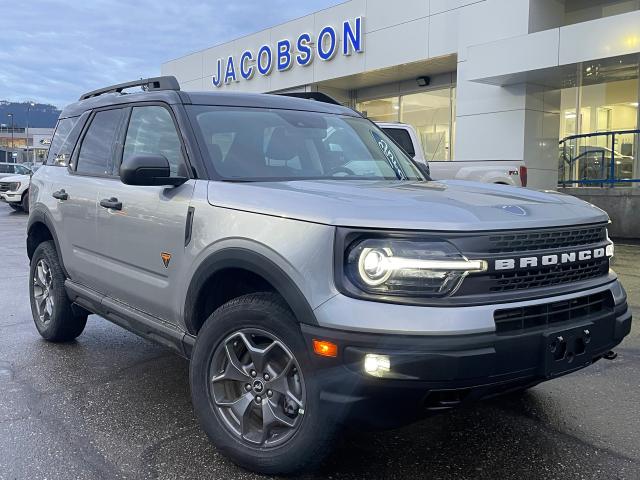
[(478, 79)]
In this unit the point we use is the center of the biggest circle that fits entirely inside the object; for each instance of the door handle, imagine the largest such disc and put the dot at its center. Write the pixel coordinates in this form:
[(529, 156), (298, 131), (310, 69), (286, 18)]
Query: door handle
[(60, 195), (111, 203)]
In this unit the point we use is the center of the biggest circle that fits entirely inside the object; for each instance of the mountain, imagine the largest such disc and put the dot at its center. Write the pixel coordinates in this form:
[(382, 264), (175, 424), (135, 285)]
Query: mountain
[(40, 116)]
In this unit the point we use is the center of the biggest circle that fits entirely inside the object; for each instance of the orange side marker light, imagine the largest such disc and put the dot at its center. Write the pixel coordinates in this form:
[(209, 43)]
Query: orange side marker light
[(324, 348)]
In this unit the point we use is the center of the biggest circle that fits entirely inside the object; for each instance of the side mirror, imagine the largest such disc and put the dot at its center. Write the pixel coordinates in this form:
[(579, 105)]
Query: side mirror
[(148, 170)]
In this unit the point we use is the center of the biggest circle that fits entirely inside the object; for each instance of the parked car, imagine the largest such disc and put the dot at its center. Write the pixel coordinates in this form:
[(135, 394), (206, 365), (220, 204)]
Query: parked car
[(499, 172), (7, 169), (14, 190), (307, 268)]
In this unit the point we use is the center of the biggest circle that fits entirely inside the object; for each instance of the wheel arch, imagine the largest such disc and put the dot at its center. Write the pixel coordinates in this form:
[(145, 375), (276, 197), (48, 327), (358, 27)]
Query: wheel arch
[(241, 264), (40, 229)]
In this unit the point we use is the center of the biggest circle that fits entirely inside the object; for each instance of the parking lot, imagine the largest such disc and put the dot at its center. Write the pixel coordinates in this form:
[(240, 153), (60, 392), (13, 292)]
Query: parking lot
[(112, 405)]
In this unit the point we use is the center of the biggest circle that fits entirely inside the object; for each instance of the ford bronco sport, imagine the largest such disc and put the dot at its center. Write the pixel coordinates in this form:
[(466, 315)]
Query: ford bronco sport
[(307, 268)]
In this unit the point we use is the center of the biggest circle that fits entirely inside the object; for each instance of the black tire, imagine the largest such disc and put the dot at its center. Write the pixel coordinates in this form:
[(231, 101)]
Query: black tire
[(309, 443), (16, 207), (55, 320), (25, 201)]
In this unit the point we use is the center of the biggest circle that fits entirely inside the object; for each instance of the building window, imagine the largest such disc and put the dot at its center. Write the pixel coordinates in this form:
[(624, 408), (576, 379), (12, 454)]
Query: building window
[(603, 100), (431, 113), (577, 11), (381, 110)]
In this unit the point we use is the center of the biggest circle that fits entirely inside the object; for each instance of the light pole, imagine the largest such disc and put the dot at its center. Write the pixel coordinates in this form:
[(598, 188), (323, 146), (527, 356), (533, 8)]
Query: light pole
[(6, 150), (31, 104), (12, 129), (6, 147)]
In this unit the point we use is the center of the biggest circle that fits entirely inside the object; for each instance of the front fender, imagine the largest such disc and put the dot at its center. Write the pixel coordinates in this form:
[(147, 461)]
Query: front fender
[(247, 259)]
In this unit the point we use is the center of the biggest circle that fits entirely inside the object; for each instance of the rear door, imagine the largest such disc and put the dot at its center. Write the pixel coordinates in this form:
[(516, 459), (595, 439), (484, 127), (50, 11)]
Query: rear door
[(143, 242), (77, 194)]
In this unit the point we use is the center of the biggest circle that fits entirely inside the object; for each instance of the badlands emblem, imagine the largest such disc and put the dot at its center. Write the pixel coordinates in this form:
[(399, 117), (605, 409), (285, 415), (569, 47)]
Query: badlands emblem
[(554, 259), (166, 258)]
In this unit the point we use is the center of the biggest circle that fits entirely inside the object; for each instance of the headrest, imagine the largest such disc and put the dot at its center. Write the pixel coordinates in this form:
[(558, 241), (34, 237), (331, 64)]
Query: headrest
[(282, 145), (216, 153)]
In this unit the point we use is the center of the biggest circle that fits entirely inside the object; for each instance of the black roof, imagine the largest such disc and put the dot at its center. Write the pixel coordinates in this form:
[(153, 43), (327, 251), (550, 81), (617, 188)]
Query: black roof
[(235, 99)]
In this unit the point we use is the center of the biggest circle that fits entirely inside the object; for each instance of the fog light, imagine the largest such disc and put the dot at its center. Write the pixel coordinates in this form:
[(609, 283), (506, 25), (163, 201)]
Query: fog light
[(377, 365)]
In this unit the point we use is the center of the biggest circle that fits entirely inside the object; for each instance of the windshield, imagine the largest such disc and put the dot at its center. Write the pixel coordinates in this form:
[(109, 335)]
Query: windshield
[(22, 170), (253, 144)]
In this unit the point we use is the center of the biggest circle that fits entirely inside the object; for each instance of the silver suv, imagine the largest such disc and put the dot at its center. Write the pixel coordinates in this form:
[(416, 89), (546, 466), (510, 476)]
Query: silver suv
[(310, 271)]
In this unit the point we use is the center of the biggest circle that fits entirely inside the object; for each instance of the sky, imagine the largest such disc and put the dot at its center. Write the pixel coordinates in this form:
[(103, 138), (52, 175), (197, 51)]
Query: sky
[(52, 51)]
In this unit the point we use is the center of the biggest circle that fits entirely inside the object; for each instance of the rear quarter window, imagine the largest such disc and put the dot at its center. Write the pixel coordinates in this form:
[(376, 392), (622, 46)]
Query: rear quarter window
[(64, 139)]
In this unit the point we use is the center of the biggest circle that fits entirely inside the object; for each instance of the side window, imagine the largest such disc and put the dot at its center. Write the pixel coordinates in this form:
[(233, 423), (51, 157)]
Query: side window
[(151, 131), (99, 144), (402, 138), (64, 139), (4, 168)]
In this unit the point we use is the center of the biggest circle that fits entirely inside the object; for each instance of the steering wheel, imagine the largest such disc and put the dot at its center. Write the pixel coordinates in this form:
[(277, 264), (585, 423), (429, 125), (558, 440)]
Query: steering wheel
[(344, 170)]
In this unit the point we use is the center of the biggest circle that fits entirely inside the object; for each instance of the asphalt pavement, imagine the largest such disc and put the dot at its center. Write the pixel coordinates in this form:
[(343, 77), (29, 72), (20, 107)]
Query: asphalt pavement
[(114, 406)]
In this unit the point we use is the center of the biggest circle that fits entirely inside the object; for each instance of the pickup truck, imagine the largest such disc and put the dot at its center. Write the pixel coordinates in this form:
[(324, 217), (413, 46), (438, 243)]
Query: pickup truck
[(500, 172), (14, 190)]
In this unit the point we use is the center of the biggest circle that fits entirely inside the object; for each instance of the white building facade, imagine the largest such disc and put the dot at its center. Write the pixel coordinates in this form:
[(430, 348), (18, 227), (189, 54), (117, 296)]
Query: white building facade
[(478, 79)]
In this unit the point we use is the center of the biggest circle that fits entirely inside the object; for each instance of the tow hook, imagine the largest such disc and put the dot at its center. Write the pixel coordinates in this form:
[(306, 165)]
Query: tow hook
[(610, 355)]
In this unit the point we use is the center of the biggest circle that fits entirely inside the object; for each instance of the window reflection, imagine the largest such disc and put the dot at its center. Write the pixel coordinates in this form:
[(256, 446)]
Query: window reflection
[(431, 113)]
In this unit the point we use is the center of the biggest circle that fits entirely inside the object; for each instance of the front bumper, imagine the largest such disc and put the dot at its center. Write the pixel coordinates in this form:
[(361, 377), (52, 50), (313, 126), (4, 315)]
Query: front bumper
[(435, 372), (10, 197)]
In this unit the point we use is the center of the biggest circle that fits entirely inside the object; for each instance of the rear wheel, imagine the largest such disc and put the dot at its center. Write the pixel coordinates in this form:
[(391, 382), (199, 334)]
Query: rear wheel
[(52, 312), (253, 389)]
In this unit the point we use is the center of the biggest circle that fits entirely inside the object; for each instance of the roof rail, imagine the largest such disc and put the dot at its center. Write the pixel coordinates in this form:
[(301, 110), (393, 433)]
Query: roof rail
[(156, 83), (317, 96)]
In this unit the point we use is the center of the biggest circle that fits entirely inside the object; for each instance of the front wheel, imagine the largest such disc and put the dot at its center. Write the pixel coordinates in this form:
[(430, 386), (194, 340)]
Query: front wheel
[(253, 389), (25, 201), (15, 207)]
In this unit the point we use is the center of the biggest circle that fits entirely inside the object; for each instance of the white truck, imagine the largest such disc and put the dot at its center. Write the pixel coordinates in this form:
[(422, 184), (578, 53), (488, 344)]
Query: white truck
[(497, 171), (14, 190)]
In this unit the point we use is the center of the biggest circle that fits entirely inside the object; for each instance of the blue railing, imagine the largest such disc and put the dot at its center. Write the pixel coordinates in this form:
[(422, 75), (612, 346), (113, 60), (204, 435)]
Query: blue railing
[(595, 159)]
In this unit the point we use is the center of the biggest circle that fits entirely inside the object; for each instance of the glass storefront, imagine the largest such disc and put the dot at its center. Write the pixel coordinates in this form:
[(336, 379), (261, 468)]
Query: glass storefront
[(599, 123), (431, 113)]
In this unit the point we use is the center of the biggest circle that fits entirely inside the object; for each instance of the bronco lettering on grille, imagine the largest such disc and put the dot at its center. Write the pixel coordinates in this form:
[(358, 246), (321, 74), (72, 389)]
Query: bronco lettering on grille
[(553, 259)]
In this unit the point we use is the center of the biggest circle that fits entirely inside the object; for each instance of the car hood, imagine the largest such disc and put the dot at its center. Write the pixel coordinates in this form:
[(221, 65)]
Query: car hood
[(15, 178), (444, 205)]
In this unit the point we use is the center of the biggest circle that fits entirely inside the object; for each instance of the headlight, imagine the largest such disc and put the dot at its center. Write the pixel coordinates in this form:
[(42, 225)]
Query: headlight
[(413, 268), (14, 186)]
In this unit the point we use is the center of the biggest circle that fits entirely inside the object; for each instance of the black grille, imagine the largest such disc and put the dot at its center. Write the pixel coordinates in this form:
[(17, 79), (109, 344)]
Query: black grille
[(4, 187), (537, 316), (546, 239), (548, 276)]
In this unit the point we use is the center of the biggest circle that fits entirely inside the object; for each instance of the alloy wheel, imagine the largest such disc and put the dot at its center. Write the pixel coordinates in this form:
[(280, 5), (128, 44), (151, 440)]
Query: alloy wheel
[(42, 291), (257, 388)]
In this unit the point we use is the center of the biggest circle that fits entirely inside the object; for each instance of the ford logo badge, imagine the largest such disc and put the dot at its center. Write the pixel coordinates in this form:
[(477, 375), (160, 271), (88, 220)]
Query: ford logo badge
[(514, 210)]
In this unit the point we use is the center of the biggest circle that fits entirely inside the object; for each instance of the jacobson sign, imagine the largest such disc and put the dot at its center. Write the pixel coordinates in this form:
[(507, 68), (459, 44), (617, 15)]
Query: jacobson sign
[(284, 54)]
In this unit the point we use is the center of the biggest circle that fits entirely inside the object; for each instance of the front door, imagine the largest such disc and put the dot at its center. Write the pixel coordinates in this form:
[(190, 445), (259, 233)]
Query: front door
[(142, 239)]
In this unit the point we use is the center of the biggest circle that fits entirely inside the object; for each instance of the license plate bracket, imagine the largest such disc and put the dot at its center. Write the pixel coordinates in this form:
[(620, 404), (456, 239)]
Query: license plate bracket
[(566, 350)]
